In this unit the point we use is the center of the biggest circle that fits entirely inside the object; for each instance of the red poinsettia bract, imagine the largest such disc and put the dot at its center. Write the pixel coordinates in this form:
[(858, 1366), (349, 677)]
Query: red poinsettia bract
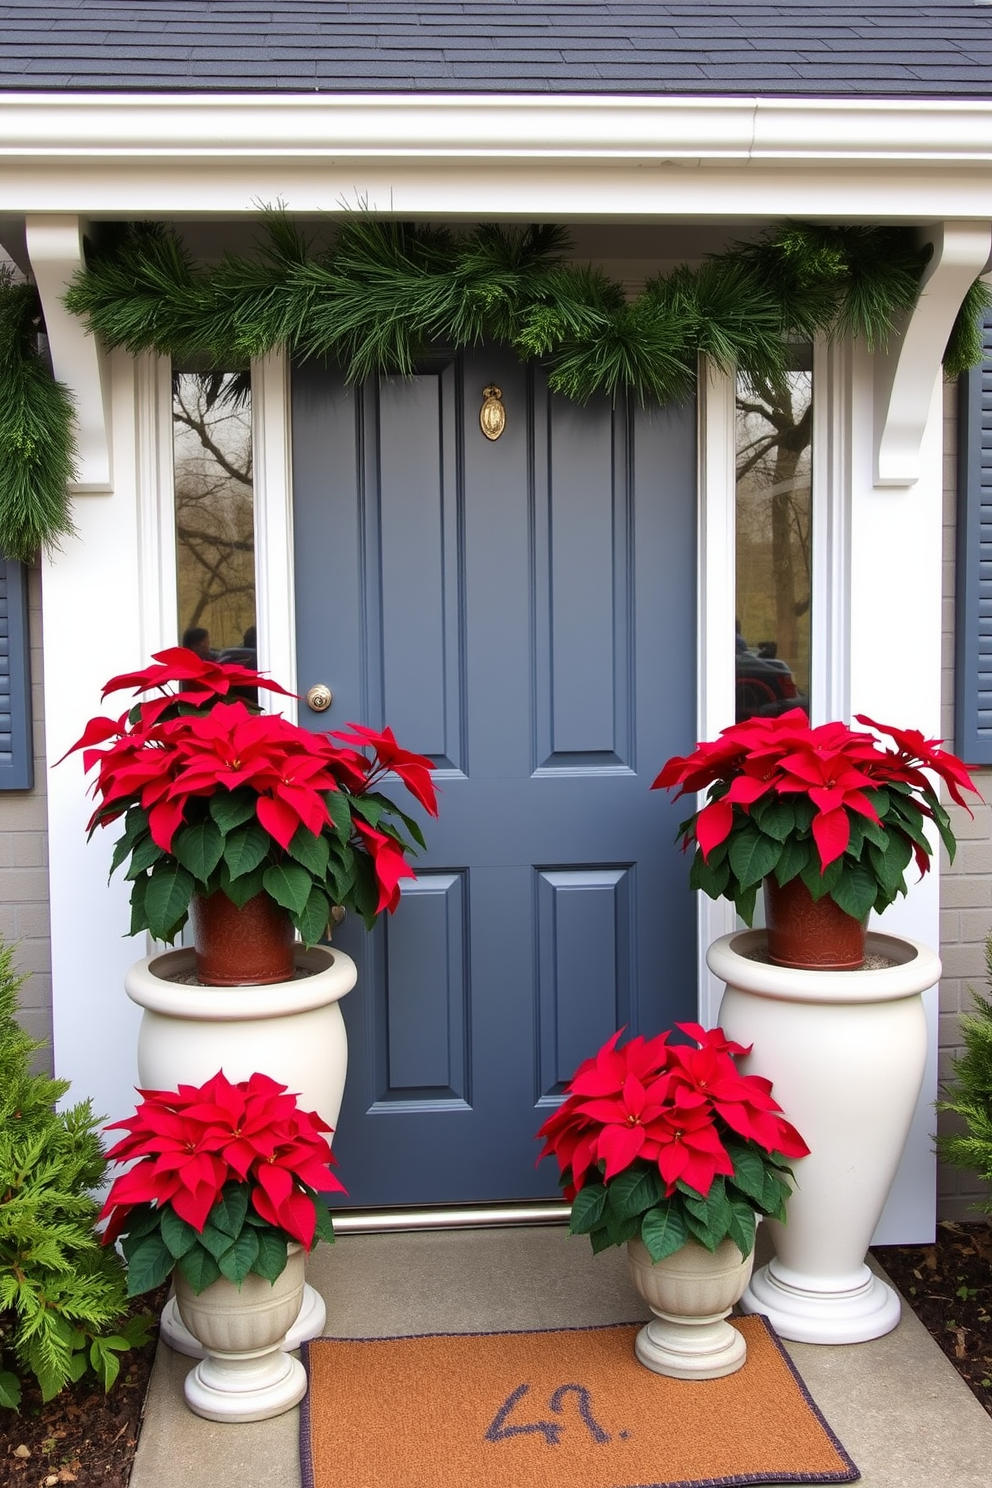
[(199, 741), (186, 1144), (832, 765), (672, 1105)]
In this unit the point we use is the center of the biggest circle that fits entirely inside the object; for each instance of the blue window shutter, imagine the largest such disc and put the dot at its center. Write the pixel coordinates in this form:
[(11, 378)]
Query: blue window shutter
[(16, 754), (973, 622)]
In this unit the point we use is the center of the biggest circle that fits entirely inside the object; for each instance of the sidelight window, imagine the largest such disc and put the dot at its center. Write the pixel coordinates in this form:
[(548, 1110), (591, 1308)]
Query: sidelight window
[(215, 513), (773, 520)]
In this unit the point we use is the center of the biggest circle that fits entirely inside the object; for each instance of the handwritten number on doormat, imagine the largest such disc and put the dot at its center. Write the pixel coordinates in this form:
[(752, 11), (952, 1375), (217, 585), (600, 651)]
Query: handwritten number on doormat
[(550, 1430)]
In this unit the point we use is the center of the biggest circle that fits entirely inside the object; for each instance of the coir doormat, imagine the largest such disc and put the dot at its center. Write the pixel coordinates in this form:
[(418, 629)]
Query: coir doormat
[(563, 1409)]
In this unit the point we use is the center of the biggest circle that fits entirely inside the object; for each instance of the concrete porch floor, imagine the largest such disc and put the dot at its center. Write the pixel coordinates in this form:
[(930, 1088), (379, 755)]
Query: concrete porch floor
[(896, 1404)]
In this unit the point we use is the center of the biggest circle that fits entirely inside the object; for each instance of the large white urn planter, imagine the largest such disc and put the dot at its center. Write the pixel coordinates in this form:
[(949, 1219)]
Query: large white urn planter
[(292, 1031), (245, 1373), (846, 1051), (691, 1294)]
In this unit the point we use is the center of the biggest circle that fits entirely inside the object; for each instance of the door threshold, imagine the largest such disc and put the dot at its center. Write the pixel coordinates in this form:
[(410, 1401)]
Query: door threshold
[(448, 1217)]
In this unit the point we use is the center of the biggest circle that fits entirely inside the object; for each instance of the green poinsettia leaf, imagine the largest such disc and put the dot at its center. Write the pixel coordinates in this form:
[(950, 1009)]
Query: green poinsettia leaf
[(663, 1231), (236, 1262), (241, 890), (775, 815), (149, 1264), (634, 1191), (289, 885), (856, 890), (246, 848), (588, 1208), (792, 860), (272, 1250), (312, 923), (230, 809), (169, 890), (741, 1225), (339, 809), (177, 1234), (821, 882), (198, 848), (745, 900), (753, 856), (199, 1268), (324, 1221), (139, 889), (710, 877), (749, 1170), (146, 853), (228, 1213), (311, 851), (600, 1239)]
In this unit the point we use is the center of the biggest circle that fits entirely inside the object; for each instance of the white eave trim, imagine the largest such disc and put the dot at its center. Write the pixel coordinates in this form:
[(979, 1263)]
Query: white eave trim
[(65, 126)]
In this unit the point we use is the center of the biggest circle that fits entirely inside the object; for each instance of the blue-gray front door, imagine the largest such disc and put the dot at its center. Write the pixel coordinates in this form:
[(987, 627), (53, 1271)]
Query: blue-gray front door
[(523, 611)]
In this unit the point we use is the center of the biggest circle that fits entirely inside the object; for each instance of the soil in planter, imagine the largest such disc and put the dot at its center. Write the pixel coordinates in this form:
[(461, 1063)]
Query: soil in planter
[(949, 1287)]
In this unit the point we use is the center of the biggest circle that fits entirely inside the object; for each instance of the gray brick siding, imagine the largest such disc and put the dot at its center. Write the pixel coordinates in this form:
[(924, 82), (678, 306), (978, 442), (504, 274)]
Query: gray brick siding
[(966, 885), (24, 919)]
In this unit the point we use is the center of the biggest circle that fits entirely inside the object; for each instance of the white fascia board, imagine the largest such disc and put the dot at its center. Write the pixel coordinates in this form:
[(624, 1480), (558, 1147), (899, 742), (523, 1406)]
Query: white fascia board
[(633, 157)]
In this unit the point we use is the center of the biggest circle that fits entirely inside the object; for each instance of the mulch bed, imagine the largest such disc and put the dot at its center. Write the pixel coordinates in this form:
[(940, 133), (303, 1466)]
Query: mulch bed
[(949, 1287), (88, 1438), (83, 1436)]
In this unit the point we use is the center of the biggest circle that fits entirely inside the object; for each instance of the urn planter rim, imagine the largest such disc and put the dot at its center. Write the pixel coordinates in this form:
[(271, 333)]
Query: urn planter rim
[(146, 982), (916, 968)]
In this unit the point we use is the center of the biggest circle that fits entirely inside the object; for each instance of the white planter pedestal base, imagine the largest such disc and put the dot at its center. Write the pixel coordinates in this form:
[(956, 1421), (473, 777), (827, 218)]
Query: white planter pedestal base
[(845, 1051), (706, 1348), (245, 1387), (845, 1314), (309, 1324), (691, 1294)]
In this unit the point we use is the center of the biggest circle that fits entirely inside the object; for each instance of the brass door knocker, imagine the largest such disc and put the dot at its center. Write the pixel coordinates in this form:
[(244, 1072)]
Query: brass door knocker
[(492, 414)]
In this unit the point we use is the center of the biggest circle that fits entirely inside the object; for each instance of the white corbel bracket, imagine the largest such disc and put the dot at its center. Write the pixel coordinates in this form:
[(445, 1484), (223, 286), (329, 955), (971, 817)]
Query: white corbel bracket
[(905, 374), (55, 249)]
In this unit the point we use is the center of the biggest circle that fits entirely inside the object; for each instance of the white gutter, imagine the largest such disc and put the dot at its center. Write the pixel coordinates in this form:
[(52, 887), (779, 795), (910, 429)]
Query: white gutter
[(62, 126)]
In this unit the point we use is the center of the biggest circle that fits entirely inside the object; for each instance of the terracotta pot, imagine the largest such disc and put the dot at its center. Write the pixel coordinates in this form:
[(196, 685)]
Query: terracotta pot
[(691, 1294), (811, 934), (242, 947)]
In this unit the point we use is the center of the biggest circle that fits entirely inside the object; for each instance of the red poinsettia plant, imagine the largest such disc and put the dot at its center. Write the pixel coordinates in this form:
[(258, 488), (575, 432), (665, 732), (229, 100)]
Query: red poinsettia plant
[(843, 809), (667, 1142), (224, 1176), (217, 795)]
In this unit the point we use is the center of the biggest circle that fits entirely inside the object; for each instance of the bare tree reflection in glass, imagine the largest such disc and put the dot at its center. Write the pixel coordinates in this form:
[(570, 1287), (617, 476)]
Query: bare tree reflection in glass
[(774, 508), (214, 501)]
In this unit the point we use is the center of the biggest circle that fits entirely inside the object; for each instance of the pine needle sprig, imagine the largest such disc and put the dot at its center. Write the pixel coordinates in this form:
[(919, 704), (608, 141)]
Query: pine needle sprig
[(968, 1094), (964, 345), (37, 424)]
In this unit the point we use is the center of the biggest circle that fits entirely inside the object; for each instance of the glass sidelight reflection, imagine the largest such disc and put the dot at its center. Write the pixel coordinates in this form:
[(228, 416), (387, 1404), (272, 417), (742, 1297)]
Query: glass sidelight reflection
[(215, 516), (774, 507)]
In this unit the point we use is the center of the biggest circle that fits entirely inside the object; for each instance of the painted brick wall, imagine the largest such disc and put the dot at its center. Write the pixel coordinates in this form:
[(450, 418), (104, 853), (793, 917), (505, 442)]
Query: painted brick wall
[(24, 920), (966, 885)]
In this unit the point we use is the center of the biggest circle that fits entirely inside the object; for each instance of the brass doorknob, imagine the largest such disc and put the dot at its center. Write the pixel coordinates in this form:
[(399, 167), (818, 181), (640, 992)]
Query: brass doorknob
[(319, 697)]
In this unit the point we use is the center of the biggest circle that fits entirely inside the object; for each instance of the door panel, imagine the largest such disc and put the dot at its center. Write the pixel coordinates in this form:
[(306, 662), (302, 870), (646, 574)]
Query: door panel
[(523, 611)]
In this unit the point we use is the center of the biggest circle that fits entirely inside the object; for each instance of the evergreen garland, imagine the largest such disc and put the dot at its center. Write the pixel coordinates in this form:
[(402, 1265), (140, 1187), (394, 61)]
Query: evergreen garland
[(385, 291), (36, 432)]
